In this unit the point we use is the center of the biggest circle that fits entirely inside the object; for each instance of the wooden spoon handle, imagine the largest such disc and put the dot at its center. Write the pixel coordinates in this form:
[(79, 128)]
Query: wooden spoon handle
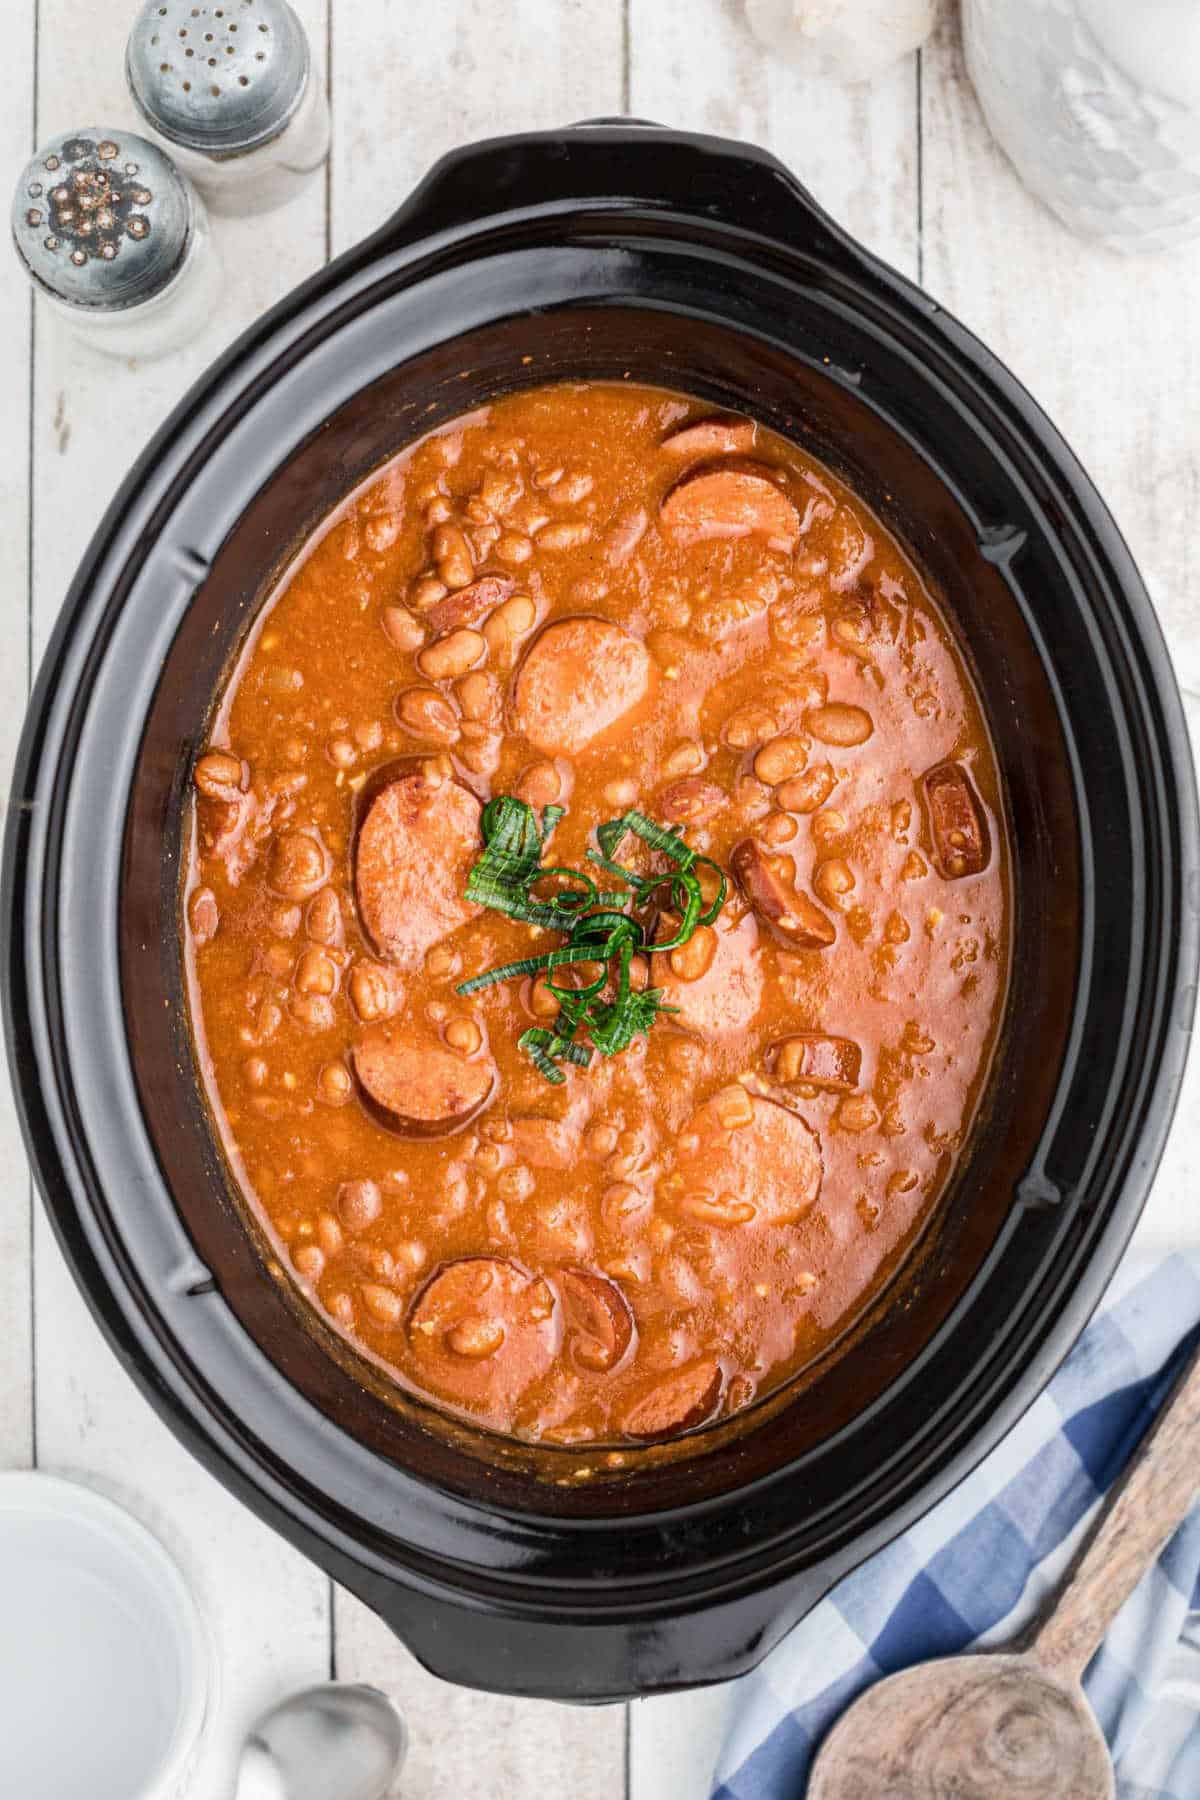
[(1142, 1510)]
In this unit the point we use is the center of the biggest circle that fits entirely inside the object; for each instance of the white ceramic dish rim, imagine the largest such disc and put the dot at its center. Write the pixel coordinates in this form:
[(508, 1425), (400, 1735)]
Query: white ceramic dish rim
[(57, 1497)]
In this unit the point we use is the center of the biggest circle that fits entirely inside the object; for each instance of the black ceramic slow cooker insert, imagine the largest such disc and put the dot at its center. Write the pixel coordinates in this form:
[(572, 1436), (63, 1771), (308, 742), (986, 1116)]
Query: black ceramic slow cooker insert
[(604, 252)]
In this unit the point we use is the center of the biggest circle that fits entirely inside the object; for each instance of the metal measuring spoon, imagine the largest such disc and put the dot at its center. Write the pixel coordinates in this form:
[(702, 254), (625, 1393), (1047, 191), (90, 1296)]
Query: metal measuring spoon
[(338, 1741), (1018, 1724)]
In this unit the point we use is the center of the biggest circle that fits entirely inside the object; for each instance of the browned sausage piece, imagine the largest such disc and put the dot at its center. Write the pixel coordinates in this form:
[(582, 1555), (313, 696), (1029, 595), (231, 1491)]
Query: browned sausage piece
[(712, 437), (469, 604), (222, 820), (750, 1158), (769, 883), (726, 992), (482, 1330), (417, 1086), (676, 1403), (730, 503), (414, 852), (232, 831), (597, 1321), (960, 838), (824, 1062), (579, 679)]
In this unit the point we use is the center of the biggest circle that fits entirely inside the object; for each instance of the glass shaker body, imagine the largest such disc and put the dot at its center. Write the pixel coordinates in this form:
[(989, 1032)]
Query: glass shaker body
[(253, 181), (167, 321), (233, 94), (116, 242)]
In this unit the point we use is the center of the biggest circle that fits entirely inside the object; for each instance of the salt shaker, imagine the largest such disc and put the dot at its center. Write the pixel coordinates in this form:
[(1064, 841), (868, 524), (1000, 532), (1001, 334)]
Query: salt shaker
[(117, 242), (1097, 103), (232, 91)]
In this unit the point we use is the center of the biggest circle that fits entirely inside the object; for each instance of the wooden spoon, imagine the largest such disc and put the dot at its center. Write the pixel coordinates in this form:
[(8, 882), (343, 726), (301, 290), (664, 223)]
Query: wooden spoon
[(1007, 1726)]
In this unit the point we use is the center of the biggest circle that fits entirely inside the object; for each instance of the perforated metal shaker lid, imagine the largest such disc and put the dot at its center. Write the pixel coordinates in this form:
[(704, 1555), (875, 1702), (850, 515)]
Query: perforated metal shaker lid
[(102, 218), (218, 78)]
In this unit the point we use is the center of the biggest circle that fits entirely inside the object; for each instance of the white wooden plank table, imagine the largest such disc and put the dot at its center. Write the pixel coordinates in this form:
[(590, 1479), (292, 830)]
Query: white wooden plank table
[(1110, 348)]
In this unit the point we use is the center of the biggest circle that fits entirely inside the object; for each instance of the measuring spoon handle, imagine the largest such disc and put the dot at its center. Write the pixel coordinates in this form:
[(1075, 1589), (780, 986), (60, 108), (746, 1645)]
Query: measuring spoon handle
[(1143, 1508)]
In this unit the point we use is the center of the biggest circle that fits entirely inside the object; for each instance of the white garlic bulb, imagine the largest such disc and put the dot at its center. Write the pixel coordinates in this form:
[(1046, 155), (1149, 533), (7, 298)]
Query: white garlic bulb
[(850, 40)]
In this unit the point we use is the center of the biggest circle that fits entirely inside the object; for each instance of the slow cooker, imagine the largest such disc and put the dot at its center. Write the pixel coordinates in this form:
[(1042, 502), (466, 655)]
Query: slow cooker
[(604, 251)]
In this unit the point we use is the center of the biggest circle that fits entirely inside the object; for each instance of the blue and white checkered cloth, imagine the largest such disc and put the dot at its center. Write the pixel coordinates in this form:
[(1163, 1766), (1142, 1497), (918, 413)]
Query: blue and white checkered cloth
[(976, 1570)]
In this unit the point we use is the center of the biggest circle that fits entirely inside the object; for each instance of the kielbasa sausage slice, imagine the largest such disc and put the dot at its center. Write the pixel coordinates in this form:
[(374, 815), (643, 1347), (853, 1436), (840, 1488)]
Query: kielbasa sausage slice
[(769, 883), (823, 1061), (956, 824), (711, 437), (417, 842), (730, 503), (579, 679), (482, 1330), (414, 1085), (676, 1403), (597, 1320), (753, 1150), (469, 604)]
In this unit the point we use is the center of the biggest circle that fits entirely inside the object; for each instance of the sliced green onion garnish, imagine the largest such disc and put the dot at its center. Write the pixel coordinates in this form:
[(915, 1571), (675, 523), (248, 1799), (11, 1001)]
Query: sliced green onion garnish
[(599, 927)]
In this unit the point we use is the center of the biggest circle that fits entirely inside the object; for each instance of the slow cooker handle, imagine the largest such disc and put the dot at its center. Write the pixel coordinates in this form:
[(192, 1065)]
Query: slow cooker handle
[(630, 167), (557, 1657)]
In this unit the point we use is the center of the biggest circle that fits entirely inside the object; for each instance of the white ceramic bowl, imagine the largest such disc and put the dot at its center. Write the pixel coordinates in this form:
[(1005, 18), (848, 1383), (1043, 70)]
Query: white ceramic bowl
[(105, 1665)]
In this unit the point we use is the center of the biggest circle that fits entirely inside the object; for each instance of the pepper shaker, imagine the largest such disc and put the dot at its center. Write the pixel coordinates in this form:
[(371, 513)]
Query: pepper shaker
[(232, 91), (117, 242)]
